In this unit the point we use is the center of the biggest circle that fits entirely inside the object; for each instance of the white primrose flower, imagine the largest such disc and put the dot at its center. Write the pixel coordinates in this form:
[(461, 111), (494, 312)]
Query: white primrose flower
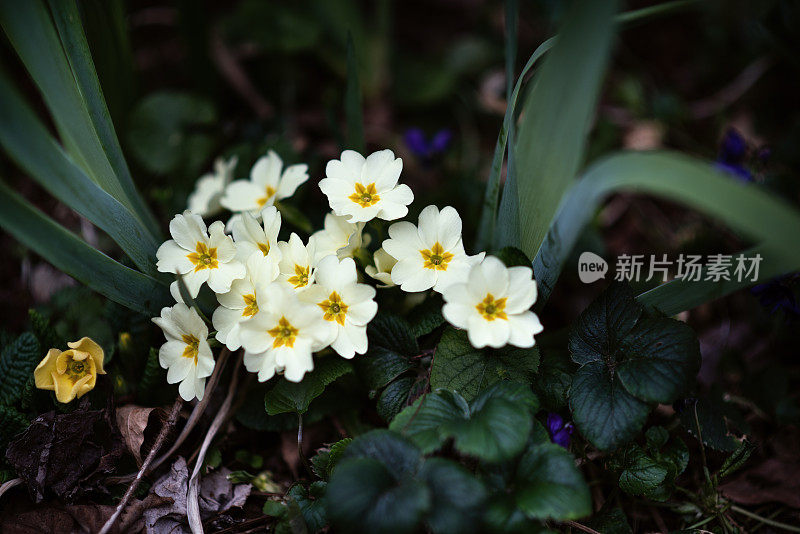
[(430, 255), (364, 188), (266, 185), (204, 200), (296, 263), (343, 303), (186, 354), (339, 238), (283, 335), (242, 301), (250, 236), (382, 270), (493, 305), (199, 255)]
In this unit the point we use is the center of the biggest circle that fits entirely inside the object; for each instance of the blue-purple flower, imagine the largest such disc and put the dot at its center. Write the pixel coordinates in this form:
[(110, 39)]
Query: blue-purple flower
[(732, 155), (560, 432), (426, 148)]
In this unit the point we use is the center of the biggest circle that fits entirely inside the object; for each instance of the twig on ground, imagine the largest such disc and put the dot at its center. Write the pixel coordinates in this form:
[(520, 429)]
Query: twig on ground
[(162, 436), (192, 498), (10, 484)]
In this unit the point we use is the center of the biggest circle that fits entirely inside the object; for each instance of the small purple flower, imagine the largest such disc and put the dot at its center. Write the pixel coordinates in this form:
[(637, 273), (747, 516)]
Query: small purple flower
[(732, 155), (559, 431), (424, 148), (776, 295)]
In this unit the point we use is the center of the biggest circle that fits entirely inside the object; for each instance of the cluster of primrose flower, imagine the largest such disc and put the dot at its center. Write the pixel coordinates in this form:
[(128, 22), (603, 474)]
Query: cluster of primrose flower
[(283, 301)]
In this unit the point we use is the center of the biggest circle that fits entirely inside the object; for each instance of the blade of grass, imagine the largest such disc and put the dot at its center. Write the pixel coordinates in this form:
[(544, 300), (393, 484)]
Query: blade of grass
[(679, 295), (30, 145), (558, 114), (489, 214), (745, 208), (30, 30), (352, 101), (73, 256), (68, 24)]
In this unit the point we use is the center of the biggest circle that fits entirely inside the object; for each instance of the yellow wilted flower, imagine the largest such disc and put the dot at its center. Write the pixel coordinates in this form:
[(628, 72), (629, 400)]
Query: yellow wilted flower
[(71, 373)]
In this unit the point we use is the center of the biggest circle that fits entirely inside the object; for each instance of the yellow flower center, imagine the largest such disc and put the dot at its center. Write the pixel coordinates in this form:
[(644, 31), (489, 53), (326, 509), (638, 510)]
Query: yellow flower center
[(250, 306), (365, 196), (264, 248), (436, 258), (334, 308), (270, 192), (284, 334), (76, 368), (192, 347), (204, 257), (492, 309), (300, 278)]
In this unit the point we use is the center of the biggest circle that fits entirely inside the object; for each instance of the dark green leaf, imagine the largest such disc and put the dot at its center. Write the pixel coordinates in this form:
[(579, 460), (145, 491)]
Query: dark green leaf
[(427, 316), (611, 521), (400, 455), (713, 415), (550, 486), (554, 378), (457, 497), (457, 365), (628, 360), (603, 411), (325, 460), (274, 509), (294, 216), (514, 257), (394, 398), (77, 259), (391, 346), (17, 363), (422, 421), (44, 331), (312, 504), (643, 476), (365, 496), (287, 397)]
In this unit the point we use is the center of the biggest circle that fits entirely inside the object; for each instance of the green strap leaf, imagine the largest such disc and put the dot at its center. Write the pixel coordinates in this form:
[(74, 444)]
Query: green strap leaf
[(27, 141), (744, 208), (30, 30), (68, 23), (487, 223), (558, 113), (71, 255)]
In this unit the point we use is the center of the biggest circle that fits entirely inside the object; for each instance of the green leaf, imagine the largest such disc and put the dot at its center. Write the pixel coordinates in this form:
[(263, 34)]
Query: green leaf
[(394, 397), (558, 113), (288, 397), (364, 496), (30, 30), (611, 521), (651, 473), (457, 365), (165, 132), (352, 101), (745, 208), (401, 456), (553, 379), (44, 331), (71, 255), (422, 421), (495, 427), (457, 497), (294, 216), (643, 476), (427, 316), (514, 257), (17, 362), (68, 23), (28, 142), (274, 509), (325, 460), (603, 411), (312, 504), (392, 344), (714, 415), (550, 486), (11, 423), (628, 360)]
